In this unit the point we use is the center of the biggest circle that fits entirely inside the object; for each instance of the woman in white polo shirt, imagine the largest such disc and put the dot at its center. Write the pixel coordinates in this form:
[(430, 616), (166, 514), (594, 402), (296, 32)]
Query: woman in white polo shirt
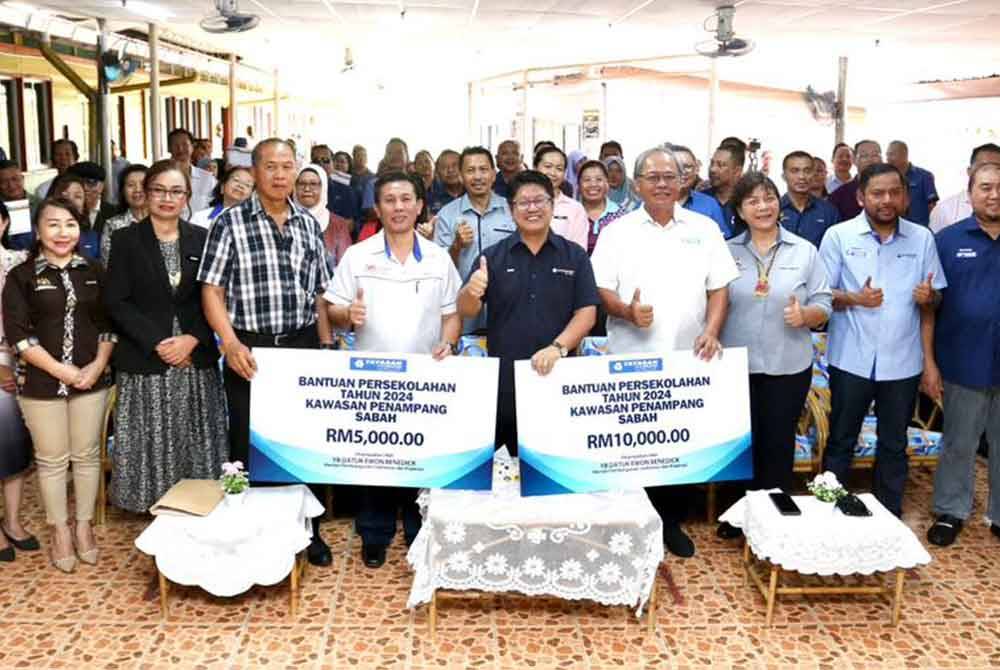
[(781, 293)]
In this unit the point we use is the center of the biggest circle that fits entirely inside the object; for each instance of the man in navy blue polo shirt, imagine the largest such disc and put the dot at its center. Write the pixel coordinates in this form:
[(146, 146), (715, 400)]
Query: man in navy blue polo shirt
[(539, 292), (447, 184), (689, 198), (923, 192), (801, 212), (966, 343), (510, 161), (723, 173)]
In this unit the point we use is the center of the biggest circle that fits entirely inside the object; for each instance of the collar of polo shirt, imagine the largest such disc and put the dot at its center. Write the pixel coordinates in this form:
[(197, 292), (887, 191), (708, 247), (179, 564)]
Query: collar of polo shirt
[(417, 253), (496, 202), (42, 263), (784, 237), (257, 209), (681, 215), (865, 227)]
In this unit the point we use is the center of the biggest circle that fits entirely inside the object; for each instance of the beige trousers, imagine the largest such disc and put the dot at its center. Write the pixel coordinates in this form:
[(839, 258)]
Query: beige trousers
[(67, 431)]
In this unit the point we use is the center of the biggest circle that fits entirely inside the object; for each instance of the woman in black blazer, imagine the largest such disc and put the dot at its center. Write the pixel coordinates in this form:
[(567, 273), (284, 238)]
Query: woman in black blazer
[(170, 421)]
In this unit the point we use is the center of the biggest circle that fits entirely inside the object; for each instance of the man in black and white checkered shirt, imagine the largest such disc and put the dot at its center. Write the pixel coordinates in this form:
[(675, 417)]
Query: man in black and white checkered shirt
[(263, 266)]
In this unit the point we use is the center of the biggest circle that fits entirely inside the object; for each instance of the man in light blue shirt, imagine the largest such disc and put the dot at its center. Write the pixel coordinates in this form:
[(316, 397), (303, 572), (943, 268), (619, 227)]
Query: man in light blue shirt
[(477, 220), (885, 274)]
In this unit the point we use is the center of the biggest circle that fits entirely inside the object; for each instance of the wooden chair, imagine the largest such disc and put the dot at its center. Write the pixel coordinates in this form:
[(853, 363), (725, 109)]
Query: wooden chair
[(106, 432)]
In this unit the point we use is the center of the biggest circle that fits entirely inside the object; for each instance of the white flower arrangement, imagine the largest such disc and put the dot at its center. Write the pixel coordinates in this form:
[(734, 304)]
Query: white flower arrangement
[(234, 478), (826, 487)]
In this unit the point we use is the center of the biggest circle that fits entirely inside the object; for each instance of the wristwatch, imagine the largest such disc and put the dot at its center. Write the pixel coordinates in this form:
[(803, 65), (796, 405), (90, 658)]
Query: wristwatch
[(563, 351), (454, 348)]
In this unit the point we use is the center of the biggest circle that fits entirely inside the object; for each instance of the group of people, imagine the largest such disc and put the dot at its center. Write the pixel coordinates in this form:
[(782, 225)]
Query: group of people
[(142, 298)]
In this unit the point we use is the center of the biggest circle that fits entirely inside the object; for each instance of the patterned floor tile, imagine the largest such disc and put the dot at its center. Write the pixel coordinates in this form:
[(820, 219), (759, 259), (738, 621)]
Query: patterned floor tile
[(542, 647), (109, 646), (271, 604), (465, 647), (470, 609), (375, 648), (609, 648), (203, 647), (32, 645), (55, 599), (191, 605), (371, 607), (127, 602), (268, 646)]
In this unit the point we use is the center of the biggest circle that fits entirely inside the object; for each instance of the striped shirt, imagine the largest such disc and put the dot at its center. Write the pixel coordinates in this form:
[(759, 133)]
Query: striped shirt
[(271, 276)]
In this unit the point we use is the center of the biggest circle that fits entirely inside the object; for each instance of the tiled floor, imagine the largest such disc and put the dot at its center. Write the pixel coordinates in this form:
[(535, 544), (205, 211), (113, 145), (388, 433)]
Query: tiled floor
[(352, 617)]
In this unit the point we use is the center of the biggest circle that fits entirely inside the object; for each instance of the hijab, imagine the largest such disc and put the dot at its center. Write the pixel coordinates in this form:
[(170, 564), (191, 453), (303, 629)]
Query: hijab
[(319, 210), (624, 192), (576, 159)]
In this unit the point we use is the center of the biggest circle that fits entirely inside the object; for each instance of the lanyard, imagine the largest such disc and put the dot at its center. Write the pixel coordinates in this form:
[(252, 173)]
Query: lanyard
[(763, 287)]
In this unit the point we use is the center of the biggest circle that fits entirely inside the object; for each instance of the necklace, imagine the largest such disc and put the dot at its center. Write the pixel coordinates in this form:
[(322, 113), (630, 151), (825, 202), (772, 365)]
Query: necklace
[(763, 287)]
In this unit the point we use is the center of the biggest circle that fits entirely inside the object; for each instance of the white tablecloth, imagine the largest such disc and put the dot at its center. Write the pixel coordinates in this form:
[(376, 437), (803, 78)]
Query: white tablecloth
[(604, 547), (233, 548), (823, 541)]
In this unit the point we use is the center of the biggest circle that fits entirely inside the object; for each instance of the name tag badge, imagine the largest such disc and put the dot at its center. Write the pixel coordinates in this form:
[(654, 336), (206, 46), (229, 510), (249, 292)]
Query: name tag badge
[(857, 252), (563, 271), (194, 258), (789, 267), (909, 257), (965, 253), (91, 282), (45, 287), (510, 269)]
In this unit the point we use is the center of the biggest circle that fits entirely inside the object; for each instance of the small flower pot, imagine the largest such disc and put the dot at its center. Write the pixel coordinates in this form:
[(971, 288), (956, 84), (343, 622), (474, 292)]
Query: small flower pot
[(235, 499)]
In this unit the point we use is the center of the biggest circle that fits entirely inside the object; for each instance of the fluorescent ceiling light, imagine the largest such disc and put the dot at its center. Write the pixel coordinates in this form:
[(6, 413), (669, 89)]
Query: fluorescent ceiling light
[(147, 10), (642, 5)]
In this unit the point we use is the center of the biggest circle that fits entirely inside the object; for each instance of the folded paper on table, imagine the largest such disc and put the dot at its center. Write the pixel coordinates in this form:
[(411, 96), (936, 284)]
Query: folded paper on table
[(630, 421), (189, 497), (379, 419)]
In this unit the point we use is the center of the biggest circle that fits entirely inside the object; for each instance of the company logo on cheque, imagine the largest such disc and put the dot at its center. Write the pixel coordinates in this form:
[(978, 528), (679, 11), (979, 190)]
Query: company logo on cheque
[(637, 365), (379, 364)]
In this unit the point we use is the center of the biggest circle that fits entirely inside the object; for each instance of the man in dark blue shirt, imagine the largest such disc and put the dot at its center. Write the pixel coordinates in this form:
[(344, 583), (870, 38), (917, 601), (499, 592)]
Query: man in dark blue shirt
[(966, 343), (723, 173), (539, 291), (510, 161), (802, 213), (447, 184), (920, 182)]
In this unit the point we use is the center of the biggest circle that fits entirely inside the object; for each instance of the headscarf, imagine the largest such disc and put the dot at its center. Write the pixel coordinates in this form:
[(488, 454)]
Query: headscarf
[(624, 192), (576, 159), (319, 210)]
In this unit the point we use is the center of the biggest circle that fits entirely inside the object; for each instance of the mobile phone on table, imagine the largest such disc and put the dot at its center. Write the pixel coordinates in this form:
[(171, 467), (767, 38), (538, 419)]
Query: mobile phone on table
[(786, 506)]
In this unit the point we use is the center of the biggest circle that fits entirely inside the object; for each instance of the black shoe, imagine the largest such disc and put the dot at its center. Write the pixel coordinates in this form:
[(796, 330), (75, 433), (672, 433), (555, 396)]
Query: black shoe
[(677, 541), (373, 555), (728, 531), (29, 543), (6, 554), (995, 529), (944, 531), (319, 553)]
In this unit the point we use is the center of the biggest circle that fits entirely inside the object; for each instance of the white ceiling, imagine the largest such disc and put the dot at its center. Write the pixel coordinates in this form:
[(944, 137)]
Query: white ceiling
[(444, 40)]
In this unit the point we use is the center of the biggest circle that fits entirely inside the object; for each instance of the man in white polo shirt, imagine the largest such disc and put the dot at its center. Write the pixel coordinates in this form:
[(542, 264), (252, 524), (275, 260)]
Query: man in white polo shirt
[(399, 295), (662, 273)]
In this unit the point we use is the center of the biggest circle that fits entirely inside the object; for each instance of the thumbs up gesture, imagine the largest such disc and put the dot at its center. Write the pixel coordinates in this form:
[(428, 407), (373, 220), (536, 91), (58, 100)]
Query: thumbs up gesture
[(794, 314), (868, 296), (463, 234), (357, 311), (480, 279), (923, 294), (639, 314)]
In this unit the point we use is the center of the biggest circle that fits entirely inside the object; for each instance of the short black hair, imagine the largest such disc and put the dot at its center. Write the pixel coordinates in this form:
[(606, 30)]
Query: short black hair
[(319, 147), (394, 177), (72, 145), (263, 144), (397, 140), (180, 131), (611, 144), (540, 144), (988, 147), (476, 151), (526, 177), (738, 155), (795, 154), (979, 168), (746, 185), (60, 203), (586, 165), (900, 143), (122, 178), (837, 146), (875, 170), (680, 148), (860, 142), (548, 150), (734, 142), (8, 164)]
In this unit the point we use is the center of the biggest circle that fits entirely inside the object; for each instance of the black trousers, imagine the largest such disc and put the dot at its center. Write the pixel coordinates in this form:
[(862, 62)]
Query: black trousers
[(850, 397), (776, 402), (238, 397), (506, 424), (377, 512)]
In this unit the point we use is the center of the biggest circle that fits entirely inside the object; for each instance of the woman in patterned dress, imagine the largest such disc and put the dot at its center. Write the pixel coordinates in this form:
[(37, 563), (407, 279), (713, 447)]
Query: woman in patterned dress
[(15, 447), (131, 209), (170, 421)]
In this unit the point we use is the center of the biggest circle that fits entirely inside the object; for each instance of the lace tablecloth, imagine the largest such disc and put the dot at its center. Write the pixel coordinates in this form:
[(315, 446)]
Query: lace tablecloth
[(604, 547), (234, 547), (823, 541)]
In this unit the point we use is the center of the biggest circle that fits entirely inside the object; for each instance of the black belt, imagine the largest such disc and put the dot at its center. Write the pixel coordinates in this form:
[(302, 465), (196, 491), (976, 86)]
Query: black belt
[(271, 339)]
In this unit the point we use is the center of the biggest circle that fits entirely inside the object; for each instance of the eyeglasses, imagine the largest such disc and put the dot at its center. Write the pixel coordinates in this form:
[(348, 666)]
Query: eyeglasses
[(161, 193), (242, 184), (658, 178), (525, 205), (92, 183), (323, 161), (309, 185)]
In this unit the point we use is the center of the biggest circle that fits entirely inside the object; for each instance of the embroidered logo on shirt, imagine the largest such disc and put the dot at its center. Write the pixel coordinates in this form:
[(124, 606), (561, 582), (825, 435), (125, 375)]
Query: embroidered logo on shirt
[(691, 240), (43, 284), (510, 269), (965, 253), (562, 271), (857, 251), (910, 256)]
